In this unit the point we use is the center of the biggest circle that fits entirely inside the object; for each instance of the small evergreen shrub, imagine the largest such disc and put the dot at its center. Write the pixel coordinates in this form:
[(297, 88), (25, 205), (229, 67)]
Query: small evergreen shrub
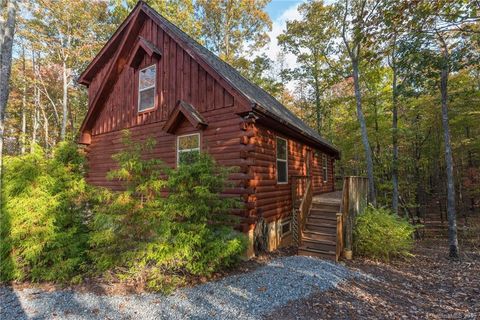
[(167, 223), (379, 234), (42, 234)]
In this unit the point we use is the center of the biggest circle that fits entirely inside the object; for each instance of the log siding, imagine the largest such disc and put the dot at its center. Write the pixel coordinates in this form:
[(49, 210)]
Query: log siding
[(229, 130)]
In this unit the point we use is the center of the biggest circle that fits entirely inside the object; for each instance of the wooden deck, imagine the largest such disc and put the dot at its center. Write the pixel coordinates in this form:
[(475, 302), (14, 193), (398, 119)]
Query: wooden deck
[(329, 197)]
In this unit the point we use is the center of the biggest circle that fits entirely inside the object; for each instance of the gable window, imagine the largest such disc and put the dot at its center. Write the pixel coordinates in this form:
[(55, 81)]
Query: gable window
[(146, 88), (282, 165), (188, 148), (325, 167)]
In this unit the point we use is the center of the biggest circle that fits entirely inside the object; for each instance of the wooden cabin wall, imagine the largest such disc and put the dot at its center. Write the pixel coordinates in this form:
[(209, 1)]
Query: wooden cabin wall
[(269, 198), (228, 138), (179, 77)]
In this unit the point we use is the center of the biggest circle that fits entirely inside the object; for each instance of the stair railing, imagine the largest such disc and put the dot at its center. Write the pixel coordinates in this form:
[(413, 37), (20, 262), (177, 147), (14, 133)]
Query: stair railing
[(354, 200), (302, 191), (341, 218)]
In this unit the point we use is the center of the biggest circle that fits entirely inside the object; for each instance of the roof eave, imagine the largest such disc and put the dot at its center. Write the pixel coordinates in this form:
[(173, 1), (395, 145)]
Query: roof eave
[(84, 77), (259, 110)]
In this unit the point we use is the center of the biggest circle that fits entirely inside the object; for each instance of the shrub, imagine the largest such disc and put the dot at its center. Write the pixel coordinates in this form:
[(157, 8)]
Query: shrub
[(380, 234), (43, 237), (149, 233)]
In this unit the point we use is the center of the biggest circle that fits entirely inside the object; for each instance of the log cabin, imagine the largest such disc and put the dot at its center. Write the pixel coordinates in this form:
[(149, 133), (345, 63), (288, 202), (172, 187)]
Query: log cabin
[(156, 81)]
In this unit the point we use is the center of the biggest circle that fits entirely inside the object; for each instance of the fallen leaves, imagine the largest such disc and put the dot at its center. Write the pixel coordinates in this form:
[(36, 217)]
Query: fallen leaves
[(427, 286)]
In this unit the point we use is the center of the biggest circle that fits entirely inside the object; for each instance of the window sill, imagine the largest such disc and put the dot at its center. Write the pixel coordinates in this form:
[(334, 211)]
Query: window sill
[(146, 110)]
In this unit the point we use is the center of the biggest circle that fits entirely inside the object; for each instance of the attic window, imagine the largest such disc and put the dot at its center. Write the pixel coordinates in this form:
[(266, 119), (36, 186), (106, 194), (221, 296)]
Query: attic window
[(146, 88)]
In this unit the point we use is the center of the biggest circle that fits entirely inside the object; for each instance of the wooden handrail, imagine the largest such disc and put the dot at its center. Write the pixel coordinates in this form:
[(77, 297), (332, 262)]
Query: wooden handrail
[(303, 209), (300, 212)]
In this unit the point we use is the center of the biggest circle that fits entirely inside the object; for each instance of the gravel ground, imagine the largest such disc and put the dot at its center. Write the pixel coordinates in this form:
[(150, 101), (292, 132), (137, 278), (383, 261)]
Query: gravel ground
[(244, 296)]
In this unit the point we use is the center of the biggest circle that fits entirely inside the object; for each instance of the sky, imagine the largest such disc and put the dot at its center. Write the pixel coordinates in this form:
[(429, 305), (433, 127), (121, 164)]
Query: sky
[(280, 12)]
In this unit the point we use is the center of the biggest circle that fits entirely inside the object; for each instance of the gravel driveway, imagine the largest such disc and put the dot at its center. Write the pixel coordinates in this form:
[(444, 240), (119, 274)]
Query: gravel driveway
[(245, 296)]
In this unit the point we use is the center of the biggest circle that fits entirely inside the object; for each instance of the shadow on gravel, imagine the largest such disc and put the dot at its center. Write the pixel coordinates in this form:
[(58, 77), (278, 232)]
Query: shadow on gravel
[(244, 296), (252, 295), (10, 305)]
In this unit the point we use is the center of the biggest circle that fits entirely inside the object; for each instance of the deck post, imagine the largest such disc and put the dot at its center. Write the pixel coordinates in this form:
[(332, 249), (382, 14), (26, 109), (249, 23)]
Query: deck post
[(354, 201)]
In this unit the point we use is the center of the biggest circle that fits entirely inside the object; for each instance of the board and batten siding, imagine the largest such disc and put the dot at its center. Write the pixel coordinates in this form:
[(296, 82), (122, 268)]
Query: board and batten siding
[(179, 77)]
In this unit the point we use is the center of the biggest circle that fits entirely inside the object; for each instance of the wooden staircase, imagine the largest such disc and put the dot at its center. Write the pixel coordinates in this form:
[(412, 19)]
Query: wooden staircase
[(323, 224), (319, 236)]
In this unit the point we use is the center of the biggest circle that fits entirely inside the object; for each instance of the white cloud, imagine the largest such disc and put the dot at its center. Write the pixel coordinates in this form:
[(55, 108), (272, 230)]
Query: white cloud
[(278, 26), (272, 49)]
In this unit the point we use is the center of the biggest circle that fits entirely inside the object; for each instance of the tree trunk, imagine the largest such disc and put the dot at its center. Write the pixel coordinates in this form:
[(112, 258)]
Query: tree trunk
[(395, 141), (64, 101), (36, 103), (363, 127), (451, 213), (45, 126), (34, 125), (6, 44), (2, 21), (23, 138), (318, 110)]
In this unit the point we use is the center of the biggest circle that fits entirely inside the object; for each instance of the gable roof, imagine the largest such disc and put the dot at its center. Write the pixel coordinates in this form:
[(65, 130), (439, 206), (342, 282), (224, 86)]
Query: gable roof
[(189, 112), (260, 100)]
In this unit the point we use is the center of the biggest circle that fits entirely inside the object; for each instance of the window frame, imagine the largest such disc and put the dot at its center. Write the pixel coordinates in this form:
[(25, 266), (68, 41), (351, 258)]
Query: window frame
[(281, 160), (178, 151), (282, 224), (139, 91), (325, 167)]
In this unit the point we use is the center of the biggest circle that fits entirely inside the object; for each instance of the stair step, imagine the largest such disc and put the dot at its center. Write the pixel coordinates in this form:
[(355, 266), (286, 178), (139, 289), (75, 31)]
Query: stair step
[(325, 205), (316, 235), (321, 227), (323, 211), (318, 245), (327, 201), (322, 219), (329, 255)]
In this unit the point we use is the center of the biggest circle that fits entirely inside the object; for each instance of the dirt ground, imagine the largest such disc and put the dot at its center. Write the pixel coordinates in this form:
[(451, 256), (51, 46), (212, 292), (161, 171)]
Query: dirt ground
[(427, 286)]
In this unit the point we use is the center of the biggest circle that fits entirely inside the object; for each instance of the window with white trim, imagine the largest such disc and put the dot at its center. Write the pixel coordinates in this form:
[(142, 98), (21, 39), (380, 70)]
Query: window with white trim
[(325, 167), (188, 148), (282, 162), (147, 79)]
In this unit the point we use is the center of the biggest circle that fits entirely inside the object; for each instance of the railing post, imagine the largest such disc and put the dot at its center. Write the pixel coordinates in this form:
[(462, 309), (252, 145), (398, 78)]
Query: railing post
[(354, 200), (339, 246)]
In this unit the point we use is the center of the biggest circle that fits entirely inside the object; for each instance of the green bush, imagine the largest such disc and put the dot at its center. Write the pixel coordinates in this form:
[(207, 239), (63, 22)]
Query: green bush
[(379, 234), (149, 233), (54, 227), (42, 234)]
